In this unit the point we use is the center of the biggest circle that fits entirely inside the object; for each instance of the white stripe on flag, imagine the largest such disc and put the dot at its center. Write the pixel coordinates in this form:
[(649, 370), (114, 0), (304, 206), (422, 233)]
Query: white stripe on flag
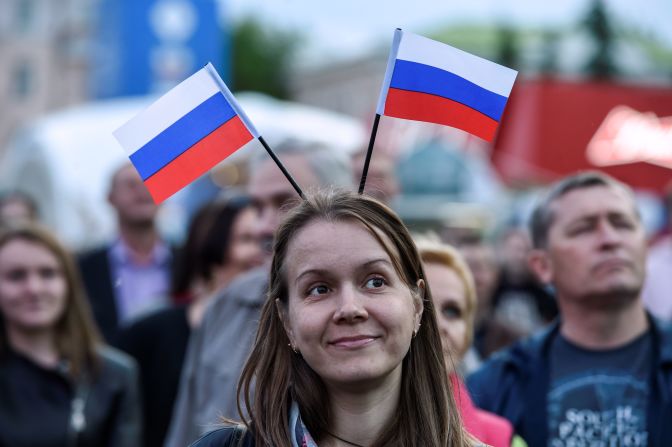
[(380, 109), (232, 100), (172, 106), (489, 75)]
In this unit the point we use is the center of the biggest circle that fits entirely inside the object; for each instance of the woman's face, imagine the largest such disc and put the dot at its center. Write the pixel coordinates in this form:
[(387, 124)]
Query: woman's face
[(245, 249), (32, 286), (450, 301), (350, 315)]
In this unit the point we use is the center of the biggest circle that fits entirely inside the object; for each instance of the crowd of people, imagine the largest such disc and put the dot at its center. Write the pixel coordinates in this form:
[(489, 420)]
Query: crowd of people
[(322, 320)]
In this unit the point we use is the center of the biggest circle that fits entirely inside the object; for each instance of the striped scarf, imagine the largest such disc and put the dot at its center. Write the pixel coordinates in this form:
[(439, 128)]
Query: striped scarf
[(300, 435)]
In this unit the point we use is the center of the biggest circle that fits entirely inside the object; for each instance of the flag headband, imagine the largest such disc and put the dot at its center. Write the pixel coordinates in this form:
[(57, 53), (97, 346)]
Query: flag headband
[(199, 123), (430, 81), (186, 132)]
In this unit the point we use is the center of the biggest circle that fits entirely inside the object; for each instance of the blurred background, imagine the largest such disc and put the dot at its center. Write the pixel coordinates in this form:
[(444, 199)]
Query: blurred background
[(594, 91)]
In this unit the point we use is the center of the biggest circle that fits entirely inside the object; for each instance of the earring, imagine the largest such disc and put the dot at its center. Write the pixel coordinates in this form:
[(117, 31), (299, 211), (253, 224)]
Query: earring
[(415, 331), (293, 348)]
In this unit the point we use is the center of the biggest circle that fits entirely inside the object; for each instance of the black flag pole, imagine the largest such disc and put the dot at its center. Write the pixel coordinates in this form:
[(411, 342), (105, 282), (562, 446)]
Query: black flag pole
[(365, 171), (281, 166)]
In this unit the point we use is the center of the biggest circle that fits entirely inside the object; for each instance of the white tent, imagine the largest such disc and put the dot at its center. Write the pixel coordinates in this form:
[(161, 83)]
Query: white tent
[(64, 160)]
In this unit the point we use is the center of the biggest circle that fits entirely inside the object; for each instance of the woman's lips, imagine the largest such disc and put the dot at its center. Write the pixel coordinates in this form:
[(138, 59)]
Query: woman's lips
[(353, 342)]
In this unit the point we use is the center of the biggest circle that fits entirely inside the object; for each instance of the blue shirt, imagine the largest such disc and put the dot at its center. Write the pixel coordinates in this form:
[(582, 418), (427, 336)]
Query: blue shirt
[(139, 288)]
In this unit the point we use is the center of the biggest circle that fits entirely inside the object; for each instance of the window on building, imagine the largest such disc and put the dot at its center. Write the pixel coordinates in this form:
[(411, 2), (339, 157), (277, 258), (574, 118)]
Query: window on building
[(21, 81), (25, 15)]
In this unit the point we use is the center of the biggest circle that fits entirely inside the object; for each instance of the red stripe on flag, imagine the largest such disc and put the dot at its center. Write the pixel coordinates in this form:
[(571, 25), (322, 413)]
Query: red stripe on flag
[(435, 109), (198, 159)]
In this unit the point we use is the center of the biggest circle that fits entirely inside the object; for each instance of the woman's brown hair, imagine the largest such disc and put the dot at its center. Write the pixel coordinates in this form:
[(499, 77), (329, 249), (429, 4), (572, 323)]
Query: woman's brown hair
[(427, 414), (76, 336)]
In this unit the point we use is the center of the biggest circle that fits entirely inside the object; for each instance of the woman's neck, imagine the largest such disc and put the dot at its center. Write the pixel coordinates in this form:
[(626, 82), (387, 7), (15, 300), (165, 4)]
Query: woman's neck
[(222, 276), (38, 346), (196, 308), (204, 292), (361, 416)]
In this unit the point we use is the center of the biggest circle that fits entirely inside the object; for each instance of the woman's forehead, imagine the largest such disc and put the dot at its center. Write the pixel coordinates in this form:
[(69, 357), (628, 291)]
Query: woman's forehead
[(338, 243)]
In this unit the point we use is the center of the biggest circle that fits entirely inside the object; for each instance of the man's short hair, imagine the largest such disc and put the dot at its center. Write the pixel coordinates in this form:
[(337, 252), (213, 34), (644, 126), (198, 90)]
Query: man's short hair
[(331, 167), (542, 216), (26, 199)]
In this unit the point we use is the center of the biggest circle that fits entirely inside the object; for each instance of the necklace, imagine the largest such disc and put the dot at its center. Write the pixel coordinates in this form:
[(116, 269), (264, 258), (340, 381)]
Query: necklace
[(343, 440)]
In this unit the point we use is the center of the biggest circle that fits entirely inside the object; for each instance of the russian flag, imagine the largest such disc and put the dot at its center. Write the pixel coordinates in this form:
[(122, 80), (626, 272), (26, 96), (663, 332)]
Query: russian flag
[(185, 133), (430, 81)]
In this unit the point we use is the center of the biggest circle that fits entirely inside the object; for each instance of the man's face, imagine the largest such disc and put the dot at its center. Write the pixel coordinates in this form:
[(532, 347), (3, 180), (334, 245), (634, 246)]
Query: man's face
[(131, 199), (596, 247), (271, 191), (483, 265)]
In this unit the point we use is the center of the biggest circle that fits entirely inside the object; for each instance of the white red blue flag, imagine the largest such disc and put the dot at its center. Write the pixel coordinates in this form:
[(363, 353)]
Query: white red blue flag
[(185, 133), (430, 81)]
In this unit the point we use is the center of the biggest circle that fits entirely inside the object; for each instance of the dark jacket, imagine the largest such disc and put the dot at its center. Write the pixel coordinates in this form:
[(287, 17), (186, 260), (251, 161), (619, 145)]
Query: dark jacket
[(97, 278), (43, 407), (514, 384)]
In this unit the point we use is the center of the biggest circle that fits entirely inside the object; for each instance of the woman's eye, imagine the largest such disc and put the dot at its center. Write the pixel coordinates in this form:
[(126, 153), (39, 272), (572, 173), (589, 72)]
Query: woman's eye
[(375, 283), (318, 290), (16, 275), (451, 312)]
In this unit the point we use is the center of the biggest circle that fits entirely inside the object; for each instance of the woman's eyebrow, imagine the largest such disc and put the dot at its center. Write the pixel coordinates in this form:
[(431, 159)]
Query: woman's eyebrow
[(376, 261), (324, 271), (310, 272)]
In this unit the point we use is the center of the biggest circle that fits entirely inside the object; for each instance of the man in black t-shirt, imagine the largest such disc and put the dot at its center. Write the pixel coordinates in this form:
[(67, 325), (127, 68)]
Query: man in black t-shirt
[(602, 375)]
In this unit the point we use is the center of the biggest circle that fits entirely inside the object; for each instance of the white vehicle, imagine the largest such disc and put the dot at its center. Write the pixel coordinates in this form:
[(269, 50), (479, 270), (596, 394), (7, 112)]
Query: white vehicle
[(65, 160)]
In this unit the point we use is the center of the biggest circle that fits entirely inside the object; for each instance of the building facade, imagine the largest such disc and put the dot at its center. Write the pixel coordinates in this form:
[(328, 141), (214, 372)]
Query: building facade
[(43, 55)]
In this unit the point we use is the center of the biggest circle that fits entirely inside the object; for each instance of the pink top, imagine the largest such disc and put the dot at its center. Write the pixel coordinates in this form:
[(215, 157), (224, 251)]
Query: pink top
[(485, 426)]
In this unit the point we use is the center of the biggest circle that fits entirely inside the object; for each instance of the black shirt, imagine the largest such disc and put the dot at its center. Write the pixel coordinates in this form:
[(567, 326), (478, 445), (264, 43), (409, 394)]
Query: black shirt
[(599, 397), (34, 403), (158, 342)]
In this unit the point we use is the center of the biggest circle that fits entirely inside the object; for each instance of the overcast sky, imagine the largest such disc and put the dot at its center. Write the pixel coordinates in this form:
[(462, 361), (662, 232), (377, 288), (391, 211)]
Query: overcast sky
[(348, 27)]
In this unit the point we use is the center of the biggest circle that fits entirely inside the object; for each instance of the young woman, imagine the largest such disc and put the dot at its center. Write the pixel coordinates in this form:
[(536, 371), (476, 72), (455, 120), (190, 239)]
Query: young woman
[(348, 351), (452, 288), (59, 385), (221, 244)]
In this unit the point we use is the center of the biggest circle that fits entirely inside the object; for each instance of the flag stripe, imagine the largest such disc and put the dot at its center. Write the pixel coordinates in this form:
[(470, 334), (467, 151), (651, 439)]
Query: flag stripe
[(426, 79), (186, 96), (201, 157), (232, 100), (380, 107), (183, 134), (435, 109), (487, 74)]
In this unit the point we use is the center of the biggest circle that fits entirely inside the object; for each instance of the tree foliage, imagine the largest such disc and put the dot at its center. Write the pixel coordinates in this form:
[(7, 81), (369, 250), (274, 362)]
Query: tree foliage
[(601, 64), (262, 58), (507, 47)]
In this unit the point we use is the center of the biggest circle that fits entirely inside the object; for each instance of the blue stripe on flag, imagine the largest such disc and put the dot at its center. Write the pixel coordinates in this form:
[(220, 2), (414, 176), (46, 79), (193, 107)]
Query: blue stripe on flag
[(423, 78), (183, 134)]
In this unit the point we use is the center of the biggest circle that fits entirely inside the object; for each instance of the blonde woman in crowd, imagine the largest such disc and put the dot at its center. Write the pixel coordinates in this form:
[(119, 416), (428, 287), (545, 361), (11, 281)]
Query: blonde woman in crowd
[(452, 289)]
